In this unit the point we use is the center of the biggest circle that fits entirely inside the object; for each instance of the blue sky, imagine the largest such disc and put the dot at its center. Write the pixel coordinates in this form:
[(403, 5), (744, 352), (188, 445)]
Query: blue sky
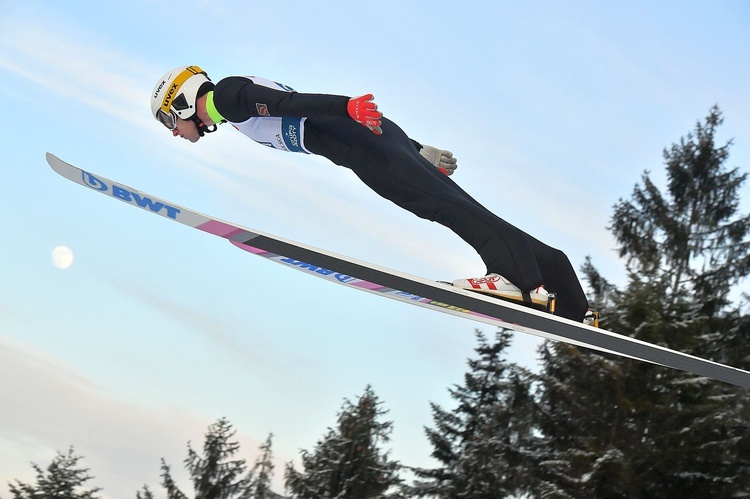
[(553, 109)]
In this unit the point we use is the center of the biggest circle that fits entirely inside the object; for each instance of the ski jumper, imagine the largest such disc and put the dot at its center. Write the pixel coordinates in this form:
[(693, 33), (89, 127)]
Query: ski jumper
[(391, 165)]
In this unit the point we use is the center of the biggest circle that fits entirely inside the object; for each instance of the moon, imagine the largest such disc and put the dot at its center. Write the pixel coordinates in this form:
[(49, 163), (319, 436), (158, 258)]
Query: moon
[(62, 257)]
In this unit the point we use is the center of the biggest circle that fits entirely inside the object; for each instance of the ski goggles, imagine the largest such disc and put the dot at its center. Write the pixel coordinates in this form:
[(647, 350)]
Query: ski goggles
[(169, 119)]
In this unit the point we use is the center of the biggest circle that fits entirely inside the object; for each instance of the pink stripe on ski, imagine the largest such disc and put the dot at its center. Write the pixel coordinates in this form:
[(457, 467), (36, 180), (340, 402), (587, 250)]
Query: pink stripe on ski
[(249, 249), (366, 285), (218, 228)]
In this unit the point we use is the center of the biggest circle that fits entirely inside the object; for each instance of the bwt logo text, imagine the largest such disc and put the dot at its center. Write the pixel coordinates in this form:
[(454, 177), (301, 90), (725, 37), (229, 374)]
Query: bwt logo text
[(123, 194)]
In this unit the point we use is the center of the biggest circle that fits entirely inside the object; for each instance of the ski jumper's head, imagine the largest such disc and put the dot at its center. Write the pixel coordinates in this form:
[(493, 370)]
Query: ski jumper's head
[(175, 96)]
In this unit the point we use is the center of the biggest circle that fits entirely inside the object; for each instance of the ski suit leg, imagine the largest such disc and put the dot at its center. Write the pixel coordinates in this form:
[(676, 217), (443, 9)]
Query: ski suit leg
[(391, 166), (560, 277)]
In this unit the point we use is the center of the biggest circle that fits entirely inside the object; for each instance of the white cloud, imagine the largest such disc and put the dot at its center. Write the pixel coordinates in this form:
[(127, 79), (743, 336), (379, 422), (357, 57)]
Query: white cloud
[(54, 407), (93, 74), (253, 349)]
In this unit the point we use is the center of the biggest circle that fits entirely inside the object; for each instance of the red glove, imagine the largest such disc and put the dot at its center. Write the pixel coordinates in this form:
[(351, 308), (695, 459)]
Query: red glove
[(365, 112)]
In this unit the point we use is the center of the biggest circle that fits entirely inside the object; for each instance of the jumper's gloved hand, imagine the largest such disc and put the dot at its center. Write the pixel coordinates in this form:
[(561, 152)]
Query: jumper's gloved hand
[(444, 160), (365, 112)]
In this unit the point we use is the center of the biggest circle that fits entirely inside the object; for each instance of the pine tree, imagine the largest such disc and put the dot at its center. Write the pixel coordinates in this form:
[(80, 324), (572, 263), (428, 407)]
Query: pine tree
[(145, 493), (481, 445), (642, 430), (63, 479), (580, 420), (348, 462), (704, 252), (262, 472), (216, 474)]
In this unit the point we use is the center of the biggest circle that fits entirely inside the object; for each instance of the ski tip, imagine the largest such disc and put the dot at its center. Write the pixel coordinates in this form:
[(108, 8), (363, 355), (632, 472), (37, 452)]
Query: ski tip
[(52, 160), (63, 168), (55, 163)]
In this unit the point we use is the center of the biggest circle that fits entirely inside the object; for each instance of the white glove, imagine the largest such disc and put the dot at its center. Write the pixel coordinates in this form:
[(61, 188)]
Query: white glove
[(444, 160)]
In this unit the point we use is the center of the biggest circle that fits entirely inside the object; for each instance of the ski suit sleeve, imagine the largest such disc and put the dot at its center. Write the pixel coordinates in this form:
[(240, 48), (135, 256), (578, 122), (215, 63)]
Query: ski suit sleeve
[(237, 99)]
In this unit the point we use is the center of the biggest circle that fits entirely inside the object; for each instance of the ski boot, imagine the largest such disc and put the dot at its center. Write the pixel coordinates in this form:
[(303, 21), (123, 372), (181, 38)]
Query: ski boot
[(500, 287)]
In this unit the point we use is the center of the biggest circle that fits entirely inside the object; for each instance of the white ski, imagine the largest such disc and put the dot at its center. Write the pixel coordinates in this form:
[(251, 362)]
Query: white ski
[(404, 287)]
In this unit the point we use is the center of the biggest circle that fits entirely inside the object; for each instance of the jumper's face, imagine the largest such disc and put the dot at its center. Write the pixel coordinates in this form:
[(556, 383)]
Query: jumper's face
[(186, 129)]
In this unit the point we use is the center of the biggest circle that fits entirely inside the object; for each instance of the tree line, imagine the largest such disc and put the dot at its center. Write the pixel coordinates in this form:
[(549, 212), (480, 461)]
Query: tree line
[(587, 424)]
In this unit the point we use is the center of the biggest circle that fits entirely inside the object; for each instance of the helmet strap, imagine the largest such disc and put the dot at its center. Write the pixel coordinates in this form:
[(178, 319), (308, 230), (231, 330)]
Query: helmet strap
[(202, 127)]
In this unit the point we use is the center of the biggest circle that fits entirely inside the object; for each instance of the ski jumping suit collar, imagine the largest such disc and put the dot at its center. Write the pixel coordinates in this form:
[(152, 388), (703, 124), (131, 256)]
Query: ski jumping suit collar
[(211, 109)]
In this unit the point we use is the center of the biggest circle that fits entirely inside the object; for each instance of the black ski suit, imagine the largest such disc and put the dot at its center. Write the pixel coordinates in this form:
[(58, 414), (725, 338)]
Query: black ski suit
[(391, 165)]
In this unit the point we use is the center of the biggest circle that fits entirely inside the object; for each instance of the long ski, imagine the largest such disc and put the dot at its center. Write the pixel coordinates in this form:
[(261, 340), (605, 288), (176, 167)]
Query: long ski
[(405, 287)]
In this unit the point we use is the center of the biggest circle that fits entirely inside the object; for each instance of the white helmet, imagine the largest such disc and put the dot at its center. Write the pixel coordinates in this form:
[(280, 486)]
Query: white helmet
[(175, 94)]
